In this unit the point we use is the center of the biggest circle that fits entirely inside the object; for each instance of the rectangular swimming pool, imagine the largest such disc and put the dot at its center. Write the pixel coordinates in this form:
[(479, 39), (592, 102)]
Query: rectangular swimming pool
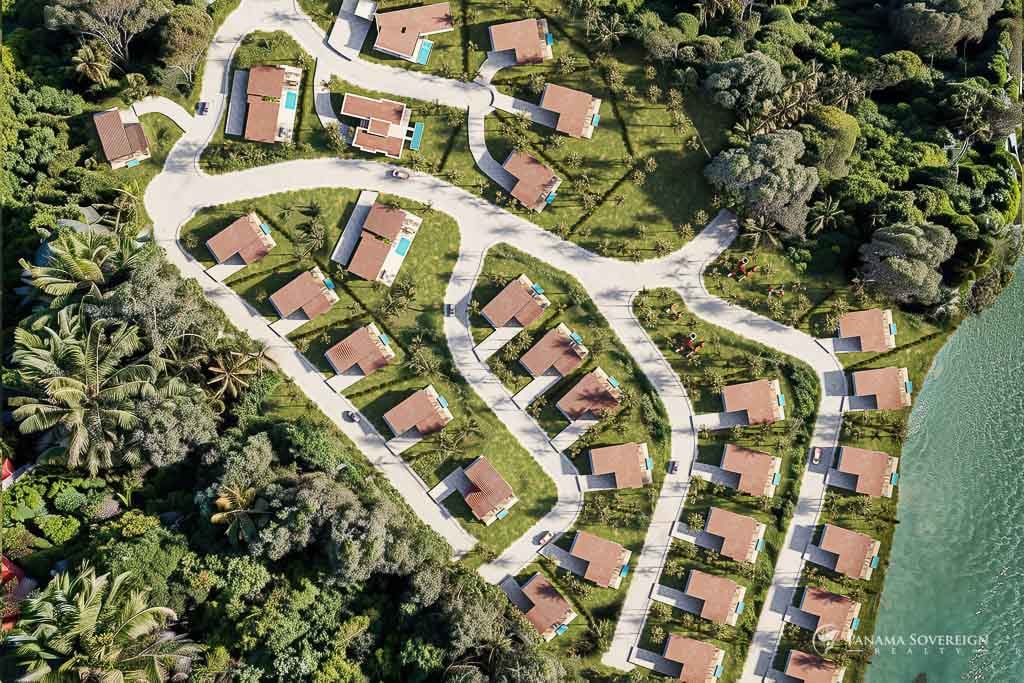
[(424, 53), (291, 99), (403, 246)]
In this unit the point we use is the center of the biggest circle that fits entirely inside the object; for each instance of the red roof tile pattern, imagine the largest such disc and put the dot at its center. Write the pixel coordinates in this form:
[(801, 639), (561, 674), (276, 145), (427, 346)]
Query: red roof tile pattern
[(490, 491), (871, 327), (420, 410), (528, 37), (534, 180), (812, 668), (517, 301), (626, 461), (604, 558), (244, 237), (362, 348), (887, 385), (549, 608), (755, 469), (720, 595), (873, 469), (739, 533), (593, 395), (400, 30), (556, 349)]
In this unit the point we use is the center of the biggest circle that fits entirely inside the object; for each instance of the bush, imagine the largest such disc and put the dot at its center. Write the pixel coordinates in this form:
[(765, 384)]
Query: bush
[(688, 24), (58, 529), (69, 500)]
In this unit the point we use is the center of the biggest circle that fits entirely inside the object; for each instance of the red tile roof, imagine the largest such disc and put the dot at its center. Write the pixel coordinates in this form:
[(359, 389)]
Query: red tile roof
[(362, 348), (871, 327), (593, 394), (368, 260), (739, 533), (517, 301), (575, 109), (548, 608), (385, 221), (698, 658), (119, 140), (399, 31), (244, 237), (307, 292), (756, 469), (535, 181), (626, 461), (812, 668), (261, 121), (604, 558), (887, 385), (367, 108), (853, 550), (490, 490), (368, 142), (719, 595), (835, 611), (420, 410), (759, 398), (528, 37), (557, 350), (265, 80), (873, 469)]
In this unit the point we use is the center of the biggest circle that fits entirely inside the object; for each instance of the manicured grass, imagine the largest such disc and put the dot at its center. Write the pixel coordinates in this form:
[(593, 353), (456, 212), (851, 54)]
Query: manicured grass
[(620, 516), (225, 153), (728, 357), (428, 266)]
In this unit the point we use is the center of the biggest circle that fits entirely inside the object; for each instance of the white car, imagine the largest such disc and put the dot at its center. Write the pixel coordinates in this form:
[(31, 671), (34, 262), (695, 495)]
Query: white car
[(816, 456), (548, 535)]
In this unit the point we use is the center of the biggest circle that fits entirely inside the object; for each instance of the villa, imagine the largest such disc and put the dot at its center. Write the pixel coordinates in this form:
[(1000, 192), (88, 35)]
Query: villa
[(426, 411), (812, 668), (856, 554), (309, 293), (535, 183), (358, 355), (488, 496), (873, 329), (593, 397), (560, 350), (722, 598), (742, 537), (628, 463), (761, 400), (387, 234), (401, 33), (874, 471), (272, 97), (121, 136), (837, 615), (701, 662), (890, 388), (548, 611), (519, 303), (383, 125), (607, 561), (577, 111), (528, 38), (247, 239), (758, 472)]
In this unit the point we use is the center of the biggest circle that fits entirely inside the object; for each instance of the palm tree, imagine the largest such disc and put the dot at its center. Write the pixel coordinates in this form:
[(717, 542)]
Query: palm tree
[(92, 62), (611, 30), (86, 627), (90, 399), (824, 215), (81, 263), (760, 229), (237, 507), (230, 372), (313, 237)]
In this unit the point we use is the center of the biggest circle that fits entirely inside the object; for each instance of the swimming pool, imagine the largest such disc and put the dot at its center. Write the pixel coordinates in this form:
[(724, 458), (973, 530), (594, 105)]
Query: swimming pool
[(424, 53), (291, 99), (403, 246)]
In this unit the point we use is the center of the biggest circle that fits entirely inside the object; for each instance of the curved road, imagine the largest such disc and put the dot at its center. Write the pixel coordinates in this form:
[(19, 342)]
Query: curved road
[(182, 188)]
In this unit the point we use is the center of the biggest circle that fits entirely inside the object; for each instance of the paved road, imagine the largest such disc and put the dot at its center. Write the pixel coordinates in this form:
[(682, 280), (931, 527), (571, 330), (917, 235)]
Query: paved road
[(169, 108), (181, 190)]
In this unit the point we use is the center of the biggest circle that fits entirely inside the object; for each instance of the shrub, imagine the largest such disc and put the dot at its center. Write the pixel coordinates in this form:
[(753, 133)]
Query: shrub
[(688, 24), (59, 529), (69, 500)]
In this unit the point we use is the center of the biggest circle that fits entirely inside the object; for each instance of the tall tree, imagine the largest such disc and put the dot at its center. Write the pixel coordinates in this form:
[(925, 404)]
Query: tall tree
[(91, 402), (901, 261), (85, 627), (92, 61), (114, 23), (187, 34)]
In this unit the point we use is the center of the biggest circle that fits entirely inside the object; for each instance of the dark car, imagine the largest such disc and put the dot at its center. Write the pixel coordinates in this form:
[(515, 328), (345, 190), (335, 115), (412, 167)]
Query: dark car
[(449, 310), (673, 466), (202, 108), (350, 416)]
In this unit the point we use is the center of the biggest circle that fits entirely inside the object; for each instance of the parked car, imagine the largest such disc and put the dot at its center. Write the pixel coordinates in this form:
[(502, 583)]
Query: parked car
[(548, 535), (399, 173), (202, 108), (449, 310), (673, 466), (816, 456), (350, 416)]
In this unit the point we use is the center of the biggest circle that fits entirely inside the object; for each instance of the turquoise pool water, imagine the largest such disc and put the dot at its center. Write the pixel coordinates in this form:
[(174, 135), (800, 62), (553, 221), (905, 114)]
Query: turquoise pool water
[(403, 246), (958, 554), (291, 99), (424, 54)]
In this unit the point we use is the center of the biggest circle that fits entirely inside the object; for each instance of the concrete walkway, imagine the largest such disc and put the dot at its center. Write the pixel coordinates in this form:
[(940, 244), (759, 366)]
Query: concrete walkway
[(169, 108), (182, 189)]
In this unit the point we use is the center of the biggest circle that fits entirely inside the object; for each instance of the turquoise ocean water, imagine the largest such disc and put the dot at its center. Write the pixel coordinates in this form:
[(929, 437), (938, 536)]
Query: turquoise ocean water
[(957, 573)]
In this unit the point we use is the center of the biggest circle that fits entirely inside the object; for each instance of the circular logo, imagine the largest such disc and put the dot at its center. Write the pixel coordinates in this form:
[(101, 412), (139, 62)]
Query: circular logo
[(824, 639)]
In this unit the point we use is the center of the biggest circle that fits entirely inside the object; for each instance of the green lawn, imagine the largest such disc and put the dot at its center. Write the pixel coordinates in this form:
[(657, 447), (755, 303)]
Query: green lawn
[(621, 516), (231, 153), (729, 358), (429, 266)]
